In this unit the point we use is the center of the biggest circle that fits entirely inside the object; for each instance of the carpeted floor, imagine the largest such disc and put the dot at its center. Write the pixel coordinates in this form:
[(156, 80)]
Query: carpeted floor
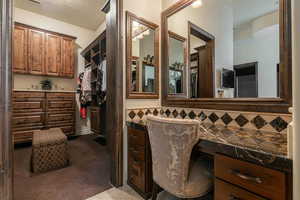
[(87, 175)]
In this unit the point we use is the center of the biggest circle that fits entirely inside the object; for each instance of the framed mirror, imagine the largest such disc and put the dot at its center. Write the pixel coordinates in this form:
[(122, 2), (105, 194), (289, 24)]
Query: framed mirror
[(227, 55), (142, 53)]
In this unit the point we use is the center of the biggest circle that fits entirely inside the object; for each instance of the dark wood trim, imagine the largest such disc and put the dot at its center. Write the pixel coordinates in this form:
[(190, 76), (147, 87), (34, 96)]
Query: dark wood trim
[(185, 50), (114, 105), (6, 147), (276, 105), (44, 30), (209, 90), (106, 7), (136, 59), (140, 95)]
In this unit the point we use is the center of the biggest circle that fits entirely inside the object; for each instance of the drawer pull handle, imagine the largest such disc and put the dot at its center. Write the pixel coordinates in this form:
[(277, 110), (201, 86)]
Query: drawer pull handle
[(232, 197), (246, 177)]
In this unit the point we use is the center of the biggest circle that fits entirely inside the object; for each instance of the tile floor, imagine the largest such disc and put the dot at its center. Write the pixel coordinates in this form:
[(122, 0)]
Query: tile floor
[(126, 193)]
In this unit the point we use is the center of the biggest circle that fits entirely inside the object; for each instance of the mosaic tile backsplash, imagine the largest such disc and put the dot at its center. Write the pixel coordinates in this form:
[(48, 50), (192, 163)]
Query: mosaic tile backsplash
[(272, 122)]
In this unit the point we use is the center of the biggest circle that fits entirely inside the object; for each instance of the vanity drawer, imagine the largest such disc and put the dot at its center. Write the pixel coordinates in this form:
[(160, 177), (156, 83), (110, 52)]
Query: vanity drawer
[(260, 180), (226, 191), (137, 153), (136, 174), (136, 137)]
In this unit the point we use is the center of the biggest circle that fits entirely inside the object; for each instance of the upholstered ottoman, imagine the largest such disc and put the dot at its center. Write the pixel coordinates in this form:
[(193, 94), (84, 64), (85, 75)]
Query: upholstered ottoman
[(49, 150)]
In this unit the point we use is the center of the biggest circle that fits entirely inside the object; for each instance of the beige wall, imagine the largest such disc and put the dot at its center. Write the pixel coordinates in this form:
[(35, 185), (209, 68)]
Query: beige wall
[(84, 37)]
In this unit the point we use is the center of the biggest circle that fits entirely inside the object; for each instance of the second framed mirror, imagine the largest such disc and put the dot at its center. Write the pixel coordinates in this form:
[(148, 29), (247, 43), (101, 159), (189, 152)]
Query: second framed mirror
[(142, 58)]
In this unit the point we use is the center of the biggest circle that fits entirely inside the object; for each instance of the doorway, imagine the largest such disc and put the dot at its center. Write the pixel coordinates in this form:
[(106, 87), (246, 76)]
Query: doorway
[(246, 80), (113, 10)]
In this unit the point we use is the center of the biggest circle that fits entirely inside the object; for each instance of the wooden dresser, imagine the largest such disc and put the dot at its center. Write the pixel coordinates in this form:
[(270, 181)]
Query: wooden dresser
[(41, 110), (139, 162)]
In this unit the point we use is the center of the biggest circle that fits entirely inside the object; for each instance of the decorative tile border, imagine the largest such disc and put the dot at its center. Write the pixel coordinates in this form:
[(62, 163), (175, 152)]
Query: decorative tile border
[(271, 122)]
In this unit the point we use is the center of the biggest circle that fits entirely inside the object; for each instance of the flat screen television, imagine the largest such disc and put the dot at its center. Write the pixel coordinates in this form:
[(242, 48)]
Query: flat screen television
[(227, 78)]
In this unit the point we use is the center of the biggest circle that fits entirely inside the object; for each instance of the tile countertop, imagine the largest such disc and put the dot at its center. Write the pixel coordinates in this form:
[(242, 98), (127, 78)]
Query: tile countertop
[(260, 147), (34, 90)]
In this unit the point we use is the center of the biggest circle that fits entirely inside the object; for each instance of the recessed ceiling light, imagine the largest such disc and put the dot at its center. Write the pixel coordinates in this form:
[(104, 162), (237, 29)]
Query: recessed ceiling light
[(197, 4), (35, 1)]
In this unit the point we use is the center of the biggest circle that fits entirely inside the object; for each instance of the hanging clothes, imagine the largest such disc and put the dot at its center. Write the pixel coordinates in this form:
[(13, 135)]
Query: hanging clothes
[(101, 84)]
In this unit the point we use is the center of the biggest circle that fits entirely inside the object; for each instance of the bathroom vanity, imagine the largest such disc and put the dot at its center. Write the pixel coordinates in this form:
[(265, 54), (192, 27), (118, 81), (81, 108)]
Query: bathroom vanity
[(240, 172)]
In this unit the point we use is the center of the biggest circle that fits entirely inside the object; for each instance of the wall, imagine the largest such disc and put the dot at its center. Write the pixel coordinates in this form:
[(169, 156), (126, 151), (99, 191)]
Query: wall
[(150, 10), (258, 41), (84, 36)]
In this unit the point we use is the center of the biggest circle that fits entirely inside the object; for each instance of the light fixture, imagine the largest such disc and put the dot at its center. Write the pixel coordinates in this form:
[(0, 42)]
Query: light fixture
[(147, 32), (140, 36), (135, 24), (197, 3)]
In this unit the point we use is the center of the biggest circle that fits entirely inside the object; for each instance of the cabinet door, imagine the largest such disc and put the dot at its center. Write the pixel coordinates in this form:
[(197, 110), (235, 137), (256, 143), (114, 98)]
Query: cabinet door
[(95, 120), (67, 57), (53, 54), (36, 52), (20, 49)]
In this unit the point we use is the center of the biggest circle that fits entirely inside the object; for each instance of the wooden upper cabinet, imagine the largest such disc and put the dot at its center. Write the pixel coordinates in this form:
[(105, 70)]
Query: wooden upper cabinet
[(53, 54), (42, 52), (20, 49), (67, 57), (36, 52)]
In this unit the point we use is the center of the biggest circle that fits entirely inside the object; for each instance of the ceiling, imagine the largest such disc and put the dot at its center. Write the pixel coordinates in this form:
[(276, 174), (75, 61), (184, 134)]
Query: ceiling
[(83, 13), (247, 10)]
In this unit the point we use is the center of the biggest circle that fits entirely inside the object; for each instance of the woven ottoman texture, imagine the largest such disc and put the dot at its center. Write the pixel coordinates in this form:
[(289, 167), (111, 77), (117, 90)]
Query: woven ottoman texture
[(49, 150)]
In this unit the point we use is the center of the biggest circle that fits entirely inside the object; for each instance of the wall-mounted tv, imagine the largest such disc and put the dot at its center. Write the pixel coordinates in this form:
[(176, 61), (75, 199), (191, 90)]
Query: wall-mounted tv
[(227, 78)]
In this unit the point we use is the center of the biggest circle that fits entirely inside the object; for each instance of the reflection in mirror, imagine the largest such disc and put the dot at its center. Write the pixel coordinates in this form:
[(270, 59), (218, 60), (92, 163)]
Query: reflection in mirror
[(148, 77), (143, 50), (233, 49), (134, 74), (142, 57), (177, 63)]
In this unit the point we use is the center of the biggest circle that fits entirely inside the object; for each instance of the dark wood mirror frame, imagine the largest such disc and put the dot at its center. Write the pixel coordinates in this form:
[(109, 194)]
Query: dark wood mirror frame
[(140, 95), (276, 105)]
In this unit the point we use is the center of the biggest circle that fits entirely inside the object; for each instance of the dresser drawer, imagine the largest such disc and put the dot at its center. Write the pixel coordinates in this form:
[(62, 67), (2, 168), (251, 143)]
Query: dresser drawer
[(68, 128), (28, 120), (65, 117), (226, 191), (23, 106), (260, 180), (60, 96), (136, 137), (28, 95)]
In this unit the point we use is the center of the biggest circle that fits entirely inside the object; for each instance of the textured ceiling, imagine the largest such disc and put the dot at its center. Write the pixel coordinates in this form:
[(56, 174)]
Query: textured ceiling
[(84, 13)]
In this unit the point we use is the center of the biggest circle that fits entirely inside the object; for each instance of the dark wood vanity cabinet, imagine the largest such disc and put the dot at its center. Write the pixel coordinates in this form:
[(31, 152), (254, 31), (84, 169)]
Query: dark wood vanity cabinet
[(39, 110), (236, 179), (139, 162)]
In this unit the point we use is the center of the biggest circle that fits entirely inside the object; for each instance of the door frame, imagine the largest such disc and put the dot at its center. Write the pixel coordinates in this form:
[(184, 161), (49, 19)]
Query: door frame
[(246, 65), (114, 105), (6, 147), (114, 94)]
